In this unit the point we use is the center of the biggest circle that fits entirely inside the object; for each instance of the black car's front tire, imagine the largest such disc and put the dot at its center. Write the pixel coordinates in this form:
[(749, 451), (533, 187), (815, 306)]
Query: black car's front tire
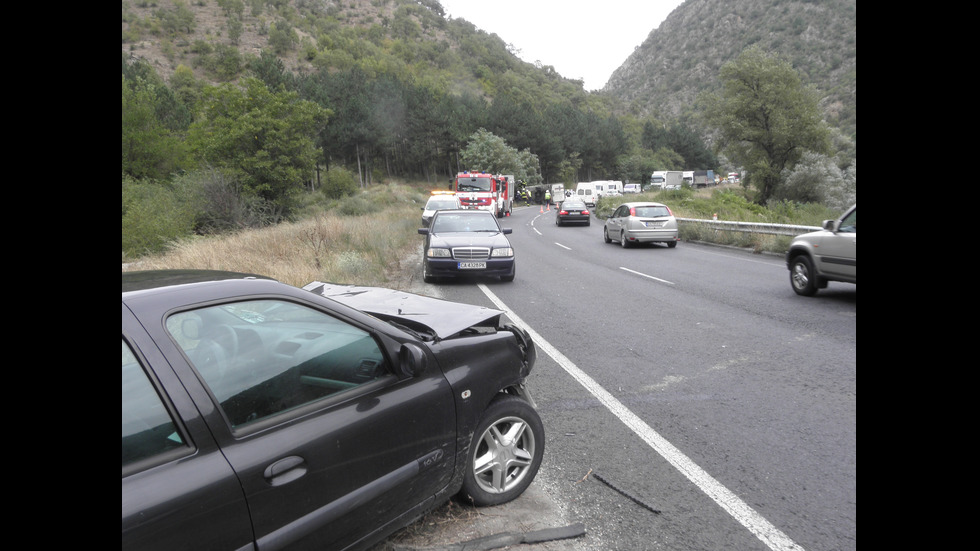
[(426, 276), (506, 452)]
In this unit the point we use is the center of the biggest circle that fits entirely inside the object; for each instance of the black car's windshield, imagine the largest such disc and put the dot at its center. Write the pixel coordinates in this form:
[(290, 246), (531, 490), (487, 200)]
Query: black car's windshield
[(465, 222)]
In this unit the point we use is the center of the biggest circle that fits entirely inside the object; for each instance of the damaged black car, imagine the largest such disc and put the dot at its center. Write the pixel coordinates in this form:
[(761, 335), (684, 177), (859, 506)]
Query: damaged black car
[(260, 415)]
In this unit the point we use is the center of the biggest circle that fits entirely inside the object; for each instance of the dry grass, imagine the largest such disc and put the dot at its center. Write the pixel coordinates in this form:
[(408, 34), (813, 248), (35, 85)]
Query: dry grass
[(373, 249)]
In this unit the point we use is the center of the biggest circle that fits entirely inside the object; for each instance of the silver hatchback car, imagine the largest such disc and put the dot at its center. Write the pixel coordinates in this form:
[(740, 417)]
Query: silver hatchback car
[(633, 223)]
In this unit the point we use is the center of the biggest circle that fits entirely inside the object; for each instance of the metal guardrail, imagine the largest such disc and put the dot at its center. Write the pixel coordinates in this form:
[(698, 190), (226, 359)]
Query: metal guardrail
[(752, 227)]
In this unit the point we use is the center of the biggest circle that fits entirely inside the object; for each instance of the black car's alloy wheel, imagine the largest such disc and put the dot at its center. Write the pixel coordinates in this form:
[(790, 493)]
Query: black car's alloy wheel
[(506, 452)]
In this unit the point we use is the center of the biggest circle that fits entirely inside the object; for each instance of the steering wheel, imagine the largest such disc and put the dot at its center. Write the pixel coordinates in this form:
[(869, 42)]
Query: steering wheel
[(214, 353), (227, 338)]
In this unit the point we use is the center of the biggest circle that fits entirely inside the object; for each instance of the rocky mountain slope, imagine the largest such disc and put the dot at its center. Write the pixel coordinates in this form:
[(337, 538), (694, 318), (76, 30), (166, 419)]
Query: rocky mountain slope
[(683, 57)]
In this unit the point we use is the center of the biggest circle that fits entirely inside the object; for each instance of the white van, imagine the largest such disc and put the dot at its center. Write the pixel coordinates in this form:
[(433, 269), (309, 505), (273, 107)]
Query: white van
[(614, 187), (586, 192), (608, 188), (600, 188), (632, 188)]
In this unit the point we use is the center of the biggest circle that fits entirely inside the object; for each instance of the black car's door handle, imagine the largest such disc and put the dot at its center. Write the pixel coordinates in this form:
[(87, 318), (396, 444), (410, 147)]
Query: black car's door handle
[(285, 470)]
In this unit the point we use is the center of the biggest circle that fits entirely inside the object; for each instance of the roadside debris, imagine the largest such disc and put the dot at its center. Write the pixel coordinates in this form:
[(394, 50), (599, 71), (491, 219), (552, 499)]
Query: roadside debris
[(624, 492)]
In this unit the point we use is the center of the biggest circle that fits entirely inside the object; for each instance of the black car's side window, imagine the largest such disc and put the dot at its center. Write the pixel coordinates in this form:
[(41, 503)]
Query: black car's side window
[(264, 357), (148, 429)]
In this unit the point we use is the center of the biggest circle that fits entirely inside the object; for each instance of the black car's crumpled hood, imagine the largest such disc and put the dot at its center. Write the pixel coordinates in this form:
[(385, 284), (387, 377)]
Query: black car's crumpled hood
[(443, 317)]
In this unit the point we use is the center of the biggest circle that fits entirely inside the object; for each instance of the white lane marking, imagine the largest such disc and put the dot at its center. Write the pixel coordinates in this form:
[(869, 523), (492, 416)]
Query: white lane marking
[(562, 246), (645, 275), (738, 509), (532, 226)]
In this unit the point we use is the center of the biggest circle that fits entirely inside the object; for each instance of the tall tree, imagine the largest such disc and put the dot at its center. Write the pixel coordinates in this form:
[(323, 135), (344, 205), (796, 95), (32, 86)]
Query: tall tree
[(267, 137), (766, 118), (487, 152), (689, 145), (149, 148), (349, 136)]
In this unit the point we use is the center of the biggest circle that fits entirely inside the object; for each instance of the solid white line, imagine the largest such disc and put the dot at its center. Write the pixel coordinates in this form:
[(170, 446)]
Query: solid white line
[(645, 275), (753, 521), (562, 246)]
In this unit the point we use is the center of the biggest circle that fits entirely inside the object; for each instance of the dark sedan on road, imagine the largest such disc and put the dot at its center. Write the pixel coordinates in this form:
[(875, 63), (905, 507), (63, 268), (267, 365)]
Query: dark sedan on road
[(466, 243), (257, 415), (573, 209)]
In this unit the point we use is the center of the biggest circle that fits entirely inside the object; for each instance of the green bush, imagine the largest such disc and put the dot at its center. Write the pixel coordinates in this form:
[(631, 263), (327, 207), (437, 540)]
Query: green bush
[(338, 183), (357, 205), (153, 215)]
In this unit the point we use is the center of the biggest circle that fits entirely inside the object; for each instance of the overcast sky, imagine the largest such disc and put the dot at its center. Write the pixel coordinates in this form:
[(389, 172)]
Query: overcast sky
[(581, 39)]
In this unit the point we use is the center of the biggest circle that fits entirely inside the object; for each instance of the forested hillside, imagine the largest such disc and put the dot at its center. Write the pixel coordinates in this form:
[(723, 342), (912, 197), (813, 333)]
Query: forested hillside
[(406, 85)]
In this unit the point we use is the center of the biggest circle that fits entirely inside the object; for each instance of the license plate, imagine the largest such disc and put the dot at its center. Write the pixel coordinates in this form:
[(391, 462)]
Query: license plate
[(472, 265), (654, 224)]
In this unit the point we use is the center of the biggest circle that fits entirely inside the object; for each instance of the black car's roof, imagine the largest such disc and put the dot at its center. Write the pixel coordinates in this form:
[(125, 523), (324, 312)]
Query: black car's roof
[(152, 279), (161, 290)]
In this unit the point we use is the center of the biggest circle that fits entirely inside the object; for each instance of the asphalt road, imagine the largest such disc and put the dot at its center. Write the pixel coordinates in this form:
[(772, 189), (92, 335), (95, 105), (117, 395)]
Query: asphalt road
[(691, 400)]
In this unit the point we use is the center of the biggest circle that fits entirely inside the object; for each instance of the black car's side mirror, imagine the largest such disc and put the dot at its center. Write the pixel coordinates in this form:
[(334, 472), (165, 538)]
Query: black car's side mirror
[(411, 361), (423, 231)]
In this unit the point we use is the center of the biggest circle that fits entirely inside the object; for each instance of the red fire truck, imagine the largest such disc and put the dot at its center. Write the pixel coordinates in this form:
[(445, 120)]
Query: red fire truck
[(484, 191)]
